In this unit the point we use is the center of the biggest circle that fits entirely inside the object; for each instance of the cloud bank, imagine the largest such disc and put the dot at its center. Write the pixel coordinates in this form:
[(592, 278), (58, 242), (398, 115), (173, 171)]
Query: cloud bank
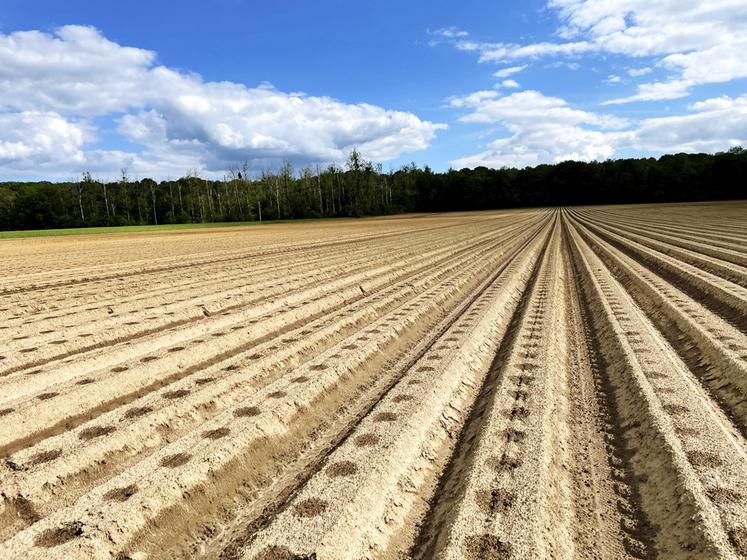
[(544, 129), (695, 42), (668, 49), (54, 88)]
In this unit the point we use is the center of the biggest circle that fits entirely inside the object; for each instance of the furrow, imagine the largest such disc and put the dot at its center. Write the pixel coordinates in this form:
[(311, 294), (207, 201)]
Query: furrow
[(724, 298), (712, 349), (128, 327), (689, 459), (179, 263), (211, 390), (725, 269), (368, 496), (266, 430), (507, 493), (694, 244), (609, 524), (131, 379)]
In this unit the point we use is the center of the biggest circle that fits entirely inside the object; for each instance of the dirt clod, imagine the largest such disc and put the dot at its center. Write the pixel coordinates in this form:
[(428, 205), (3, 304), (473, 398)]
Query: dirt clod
[(342, 468), (60, 535), (175, 460), (310, 507)]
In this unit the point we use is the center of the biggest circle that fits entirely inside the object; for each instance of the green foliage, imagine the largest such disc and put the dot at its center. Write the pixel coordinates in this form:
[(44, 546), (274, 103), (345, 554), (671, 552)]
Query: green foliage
[(362, 189)]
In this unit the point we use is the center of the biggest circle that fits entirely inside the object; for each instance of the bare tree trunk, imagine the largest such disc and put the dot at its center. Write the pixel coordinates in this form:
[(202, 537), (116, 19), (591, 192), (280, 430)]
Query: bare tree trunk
[(153, 197), (238, 197), (277, 196), (125, 193), (332, 186), (245, 185), (319, 189), (209, 197), (80, 202), (341, 191), (171, 196), (106, 199)]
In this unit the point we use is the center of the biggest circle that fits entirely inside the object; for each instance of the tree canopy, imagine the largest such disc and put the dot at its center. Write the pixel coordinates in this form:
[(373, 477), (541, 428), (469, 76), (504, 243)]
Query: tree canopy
[(361, 188)]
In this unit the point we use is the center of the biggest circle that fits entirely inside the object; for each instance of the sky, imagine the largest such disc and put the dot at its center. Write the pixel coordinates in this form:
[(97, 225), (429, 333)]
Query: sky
[(164, 89)]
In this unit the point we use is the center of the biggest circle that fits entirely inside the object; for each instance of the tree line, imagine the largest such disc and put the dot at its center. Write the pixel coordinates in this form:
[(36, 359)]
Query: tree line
[(361, 188)]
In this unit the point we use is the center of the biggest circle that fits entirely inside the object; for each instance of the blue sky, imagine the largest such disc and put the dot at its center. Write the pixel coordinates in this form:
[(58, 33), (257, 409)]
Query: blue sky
[(103, 85)]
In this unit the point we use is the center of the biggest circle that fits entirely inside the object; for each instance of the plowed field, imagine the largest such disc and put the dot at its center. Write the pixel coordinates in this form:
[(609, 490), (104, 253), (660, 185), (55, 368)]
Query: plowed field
[(551, 383)]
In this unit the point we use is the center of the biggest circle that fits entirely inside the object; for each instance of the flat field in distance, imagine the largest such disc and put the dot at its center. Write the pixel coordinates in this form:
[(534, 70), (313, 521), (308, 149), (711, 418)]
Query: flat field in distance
[(545, 383)]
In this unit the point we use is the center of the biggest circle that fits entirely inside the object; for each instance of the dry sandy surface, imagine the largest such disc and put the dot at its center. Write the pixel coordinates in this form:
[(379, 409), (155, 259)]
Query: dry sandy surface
[(566, 384)]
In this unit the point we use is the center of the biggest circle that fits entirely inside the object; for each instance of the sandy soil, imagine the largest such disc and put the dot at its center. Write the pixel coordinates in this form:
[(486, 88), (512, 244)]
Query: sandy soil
[(566, 384)]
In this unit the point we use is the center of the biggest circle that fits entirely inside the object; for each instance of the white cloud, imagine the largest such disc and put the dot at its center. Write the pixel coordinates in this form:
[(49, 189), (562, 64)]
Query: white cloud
[(75, 71), (563, 64), (502, 52), (710, 125), (510, 71), (636, 72), (688, 42), (528, 107), (233, 122), (39, 138), (533, 146), (473, 99), (655, 91), (450, 32), (510, 84), (644, 28), (178, 117), (546, 129), (698, 42), (464, 45), (543, 130)]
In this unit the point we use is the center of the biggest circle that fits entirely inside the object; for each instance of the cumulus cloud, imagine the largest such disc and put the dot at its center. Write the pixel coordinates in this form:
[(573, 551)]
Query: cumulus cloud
[(655, 91), (687, 42), (697, 42), (643, 28), (474, 99), (77, 74), (510, 84), (75, 71), (531, 147), (527, 107), (39, 138), (509, 71), (708, 126), (232, 122), (545, 129)]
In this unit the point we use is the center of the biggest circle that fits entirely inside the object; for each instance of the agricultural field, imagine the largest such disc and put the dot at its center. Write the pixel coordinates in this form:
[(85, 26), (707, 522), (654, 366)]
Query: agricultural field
[(547, 383)]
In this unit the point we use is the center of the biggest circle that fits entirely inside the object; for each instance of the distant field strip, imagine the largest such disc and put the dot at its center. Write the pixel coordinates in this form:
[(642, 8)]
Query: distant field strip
[(97, 230), (550, 383)]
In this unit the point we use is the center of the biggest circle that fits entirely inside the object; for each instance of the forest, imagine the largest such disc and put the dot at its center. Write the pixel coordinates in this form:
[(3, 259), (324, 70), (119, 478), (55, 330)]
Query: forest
[(361, 188)]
